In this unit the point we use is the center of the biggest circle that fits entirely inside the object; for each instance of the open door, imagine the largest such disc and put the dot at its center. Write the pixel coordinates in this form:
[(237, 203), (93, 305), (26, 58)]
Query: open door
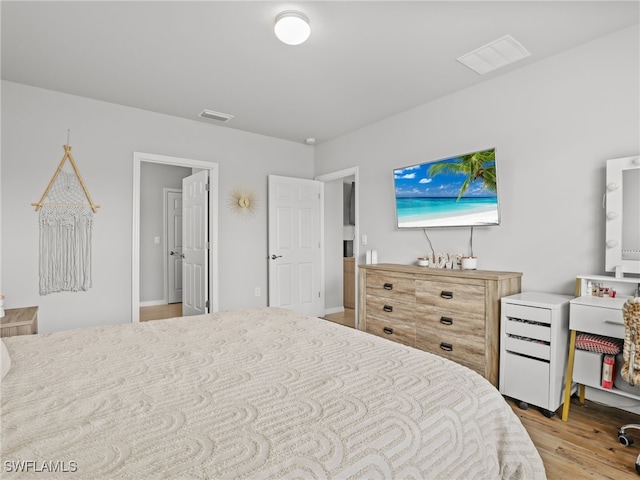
[(173, 243), (195, 240), (294, 245)]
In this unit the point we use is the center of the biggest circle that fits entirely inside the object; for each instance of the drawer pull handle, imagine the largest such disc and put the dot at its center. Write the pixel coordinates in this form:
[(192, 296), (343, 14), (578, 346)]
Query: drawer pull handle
[(388, 308), (446, 320), (387, 330), (388, 286), (446, 346), (446, 294)]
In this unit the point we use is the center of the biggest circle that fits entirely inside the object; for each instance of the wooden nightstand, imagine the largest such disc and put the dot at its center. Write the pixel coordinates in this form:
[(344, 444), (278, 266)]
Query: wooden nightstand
[(19, 321)]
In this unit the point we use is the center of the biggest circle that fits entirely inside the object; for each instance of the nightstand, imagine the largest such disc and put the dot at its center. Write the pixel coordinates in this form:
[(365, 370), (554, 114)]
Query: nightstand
[(19, 321)]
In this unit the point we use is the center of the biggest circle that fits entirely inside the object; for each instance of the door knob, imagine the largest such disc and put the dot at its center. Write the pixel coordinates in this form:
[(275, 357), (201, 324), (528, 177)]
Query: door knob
[(274, 256), (177, 254)]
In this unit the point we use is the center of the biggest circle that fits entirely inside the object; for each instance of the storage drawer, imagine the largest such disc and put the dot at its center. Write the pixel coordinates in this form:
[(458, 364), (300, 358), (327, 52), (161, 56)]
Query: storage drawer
[(517, 380), (467, 349), (390, 309), (433, 320), (597, 320), (451, 296), (523, 312), (526, 347), (396, 331), (399, 288), (587, 368), (530, 330)]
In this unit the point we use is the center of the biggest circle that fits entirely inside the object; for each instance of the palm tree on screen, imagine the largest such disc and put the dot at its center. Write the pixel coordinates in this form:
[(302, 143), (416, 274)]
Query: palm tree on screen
[(476, 166)]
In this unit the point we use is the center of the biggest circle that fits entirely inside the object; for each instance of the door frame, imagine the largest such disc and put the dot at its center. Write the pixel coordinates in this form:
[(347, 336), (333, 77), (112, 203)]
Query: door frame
[(138, 158), (330, 177), (165, 237)]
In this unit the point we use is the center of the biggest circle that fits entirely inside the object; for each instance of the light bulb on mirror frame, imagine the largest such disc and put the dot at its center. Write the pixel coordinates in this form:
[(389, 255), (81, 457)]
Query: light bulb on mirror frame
[(612, 243), (611, 215)]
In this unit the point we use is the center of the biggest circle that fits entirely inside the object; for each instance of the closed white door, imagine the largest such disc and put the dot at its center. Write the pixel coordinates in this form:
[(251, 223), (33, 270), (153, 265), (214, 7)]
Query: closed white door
[(173, 208), (294, 245), (195, 241)]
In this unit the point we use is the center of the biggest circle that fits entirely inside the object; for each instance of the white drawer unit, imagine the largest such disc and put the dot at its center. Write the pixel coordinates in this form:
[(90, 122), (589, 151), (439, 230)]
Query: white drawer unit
[(534, 336)]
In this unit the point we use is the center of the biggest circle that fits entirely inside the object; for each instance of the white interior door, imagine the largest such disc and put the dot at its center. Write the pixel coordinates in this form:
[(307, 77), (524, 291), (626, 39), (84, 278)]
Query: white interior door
[(173, 208), (195, 241), (295, 245)]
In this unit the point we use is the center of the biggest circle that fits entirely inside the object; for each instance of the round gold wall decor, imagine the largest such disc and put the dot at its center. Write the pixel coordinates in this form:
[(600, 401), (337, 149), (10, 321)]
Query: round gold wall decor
[(242, 202)]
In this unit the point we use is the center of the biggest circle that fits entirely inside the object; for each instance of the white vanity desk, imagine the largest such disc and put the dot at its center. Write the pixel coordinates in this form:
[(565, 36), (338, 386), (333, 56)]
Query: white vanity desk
[(599, 316), (603, 315)]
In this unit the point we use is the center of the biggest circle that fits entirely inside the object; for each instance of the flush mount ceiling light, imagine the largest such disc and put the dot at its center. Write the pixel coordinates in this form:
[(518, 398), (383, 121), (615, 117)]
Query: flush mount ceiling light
[(292, 27), (496, 54)]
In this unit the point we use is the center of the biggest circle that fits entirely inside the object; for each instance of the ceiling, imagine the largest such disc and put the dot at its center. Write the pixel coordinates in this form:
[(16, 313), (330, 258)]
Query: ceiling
[(364, 61)]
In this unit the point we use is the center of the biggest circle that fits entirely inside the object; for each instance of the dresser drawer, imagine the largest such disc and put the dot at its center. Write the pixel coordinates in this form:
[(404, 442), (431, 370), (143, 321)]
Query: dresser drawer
[(392, 330), (390, 309), (597, 320), (399, 288), (467, 349), (451, 296), (449, 323)]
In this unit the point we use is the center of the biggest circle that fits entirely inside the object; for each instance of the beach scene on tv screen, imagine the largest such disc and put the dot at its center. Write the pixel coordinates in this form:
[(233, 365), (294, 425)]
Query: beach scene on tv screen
[(456, 191)]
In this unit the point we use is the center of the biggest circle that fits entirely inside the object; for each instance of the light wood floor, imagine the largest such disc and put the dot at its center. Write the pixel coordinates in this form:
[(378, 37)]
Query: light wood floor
[(584, 447), (346, 318), (587, 445), (159, 312)]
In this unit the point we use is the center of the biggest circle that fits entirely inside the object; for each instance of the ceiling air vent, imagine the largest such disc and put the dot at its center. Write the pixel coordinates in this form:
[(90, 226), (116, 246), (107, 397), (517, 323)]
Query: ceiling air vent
[(496, 54), (217, 116)]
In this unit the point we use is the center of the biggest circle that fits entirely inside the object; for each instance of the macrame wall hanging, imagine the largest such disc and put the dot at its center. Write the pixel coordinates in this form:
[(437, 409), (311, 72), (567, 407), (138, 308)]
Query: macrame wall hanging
[(66, 221)]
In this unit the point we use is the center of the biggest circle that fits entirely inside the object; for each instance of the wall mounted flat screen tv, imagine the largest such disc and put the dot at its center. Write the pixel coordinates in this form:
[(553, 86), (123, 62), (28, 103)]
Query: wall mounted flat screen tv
[(451, 192)]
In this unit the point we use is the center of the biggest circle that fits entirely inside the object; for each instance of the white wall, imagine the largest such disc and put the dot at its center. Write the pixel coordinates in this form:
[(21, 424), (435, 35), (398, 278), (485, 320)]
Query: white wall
[(554, 125), (104, 137)]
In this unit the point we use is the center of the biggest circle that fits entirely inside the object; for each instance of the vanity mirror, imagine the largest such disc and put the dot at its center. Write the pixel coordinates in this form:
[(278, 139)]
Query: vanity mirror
[(622, 250)]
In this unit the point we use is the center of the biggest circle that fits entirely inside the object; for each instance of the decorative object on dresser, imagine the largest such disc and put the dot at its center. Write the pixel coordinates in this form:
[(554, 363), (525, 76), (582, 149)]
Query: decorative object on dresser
[(598, 315), (533, 349), (19, 321), (451, 313)]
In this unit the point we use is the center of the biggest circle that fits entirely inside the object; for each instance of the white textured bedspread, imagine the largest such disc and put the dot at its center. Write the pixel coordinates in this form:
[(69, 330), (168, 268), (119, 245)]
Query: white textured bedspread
[(256, 394)]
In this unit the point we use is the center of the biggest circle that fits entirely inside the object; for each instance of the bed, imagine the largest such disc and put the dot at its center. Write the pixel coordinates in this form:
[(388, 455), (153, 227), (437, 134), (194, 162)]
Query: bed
[(250, 394)]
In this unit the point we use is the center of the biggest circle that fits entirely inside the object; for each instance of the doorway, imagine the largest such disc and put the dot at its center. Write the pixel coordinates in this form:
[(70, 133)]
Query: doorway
[(340, 273), (212, 220)]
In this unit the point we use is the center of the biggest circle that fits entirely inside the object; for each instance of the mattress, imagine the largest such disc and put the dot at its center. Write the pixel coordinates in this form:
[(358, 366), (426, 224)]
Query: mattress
[(250, 394)]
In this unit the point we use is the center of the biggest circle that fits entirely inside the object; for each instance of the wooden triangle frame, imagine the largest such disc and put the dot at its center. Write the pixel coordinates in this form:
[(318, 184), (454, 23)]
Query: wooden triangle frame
[(67, 155)]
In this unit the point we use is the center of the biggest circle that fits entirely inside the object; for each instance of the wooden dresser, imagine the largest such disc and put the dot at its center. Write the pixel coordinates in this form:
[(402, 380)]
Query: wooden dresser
[(452, 313), (349, 282)]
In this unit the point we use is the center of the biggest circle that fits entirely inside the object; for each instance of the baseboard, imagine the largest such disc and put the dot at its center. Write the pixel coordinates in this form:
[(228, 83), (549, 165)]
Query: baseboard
[(329, 311), (153, 303)]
